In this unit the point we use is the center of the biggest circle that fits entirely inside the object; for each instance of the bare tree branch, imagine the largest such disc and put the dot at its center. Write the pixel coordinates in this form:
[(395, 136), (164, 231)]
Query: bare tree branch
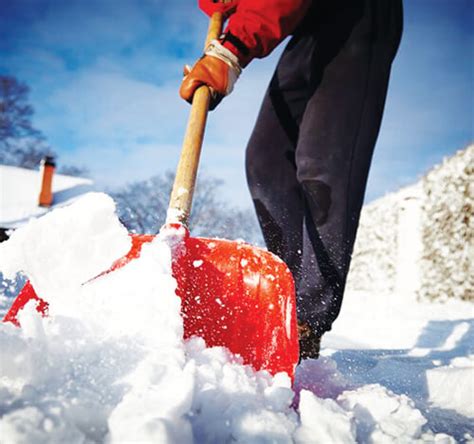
[(21, 144), (142, 209)]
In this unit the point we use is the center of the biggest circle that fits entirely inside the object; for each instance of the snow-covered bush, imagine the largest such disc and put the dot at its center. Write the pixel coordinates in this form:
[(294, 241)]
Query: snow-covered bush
[(142, 206), (374, 259), (448, 229), (420, 239)]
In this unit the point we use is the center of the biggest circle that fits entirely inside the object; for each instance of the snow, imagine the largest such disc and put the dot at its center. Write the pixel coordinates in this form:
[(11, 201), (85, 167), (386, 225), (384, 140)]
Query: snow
[(109, 363), (449, 386), (394, 419), (174, 215), (67, 247), (324, 419), (20, 188)]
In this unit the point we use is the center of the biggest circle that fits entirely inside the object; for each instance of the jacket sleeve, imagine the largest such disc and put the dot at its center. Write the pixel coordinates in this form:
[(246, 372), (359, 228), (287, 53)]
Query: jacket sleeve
[(258, 26)]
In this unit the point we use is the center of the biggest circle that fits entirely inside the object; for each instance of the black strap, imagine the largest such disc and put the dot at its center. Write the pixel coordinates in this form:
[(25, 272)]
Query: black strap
[(231, 38)]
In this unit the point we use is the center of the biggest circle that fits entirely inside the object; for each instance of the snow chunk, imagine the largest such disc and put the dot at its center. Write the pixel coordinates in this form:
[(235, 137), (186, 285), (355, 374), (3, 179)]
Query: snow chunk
[(383, 416), (324, 419), (67, 246), (452, 386)]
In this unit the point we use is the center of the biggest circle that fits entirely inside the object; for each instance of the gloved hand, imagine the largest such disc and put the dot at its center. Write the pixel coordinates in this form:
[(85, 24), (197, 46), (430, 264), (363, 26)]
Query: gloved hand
[(227, 7), (218, 68), (310, 343)]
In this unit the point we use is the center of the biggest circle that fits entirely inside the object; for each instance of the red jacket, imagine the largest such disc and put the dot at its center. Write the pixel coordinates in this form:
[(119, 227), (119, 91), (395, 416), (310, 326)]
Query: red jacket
[(258, 26)]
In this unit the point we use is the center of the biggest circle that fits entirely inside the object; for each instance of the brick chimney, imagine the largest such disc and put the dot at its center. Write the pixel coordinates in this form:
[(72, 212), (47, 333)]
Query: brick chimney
[(47, 171)]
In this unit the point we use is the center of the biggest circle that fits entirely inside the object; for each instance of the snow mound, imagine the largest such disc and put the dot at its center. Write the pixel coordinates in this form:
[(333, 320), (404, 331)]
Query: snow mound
[(452, 386), (109, 364)]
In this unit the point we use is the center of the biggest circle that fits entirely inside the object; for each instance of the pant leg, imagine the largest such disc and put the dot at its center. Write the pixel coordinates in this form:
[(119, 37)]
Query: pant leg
[(270, 155), (336, 139)]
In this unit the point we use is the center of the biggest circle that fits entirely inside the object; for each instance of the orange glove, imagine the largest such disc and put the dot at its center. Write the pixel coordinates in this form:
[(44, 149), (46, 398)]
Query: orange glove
[(227, 7), (218, 68)]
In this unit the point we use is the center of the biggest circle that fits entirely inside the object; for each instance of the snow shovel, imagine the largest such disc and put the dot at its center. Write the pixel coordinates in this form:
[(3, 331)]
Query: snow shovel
[(233, 294)]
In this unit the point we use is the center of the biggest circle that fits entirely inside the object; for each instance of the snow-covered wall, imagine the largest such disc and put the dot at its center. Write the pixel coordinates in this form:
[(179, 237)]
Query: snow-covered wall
[(419, 241)]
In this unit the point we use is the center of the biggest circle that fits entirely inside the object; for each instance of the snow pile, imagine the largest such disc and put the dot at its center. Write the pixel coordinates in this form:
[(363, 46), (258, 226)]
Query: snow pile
[(448, 229), (109, 363), (419, 240)]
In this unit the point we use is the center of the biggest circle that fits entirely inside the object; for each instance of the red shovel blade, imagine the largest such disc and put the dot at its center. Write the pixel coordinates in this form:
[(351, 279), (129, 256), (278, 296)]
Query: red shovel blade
[(233, 295)]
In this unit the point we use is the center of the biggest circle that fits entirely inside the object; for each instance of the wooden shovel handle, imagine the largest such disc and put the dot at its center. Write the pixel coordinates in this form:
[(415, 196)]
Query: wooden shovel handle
[(179, 207)]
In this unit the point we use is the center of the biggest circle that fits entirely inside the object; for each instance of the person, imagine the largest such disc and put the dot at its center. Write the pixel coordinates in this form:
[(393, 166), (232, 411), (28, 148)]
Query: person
[(308, 157)]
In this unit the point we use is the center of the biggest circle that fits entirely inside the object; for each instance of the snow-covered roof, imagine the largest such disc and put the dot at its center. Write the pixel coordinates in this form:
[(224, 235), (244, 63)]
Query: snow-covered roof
[(19, 190)]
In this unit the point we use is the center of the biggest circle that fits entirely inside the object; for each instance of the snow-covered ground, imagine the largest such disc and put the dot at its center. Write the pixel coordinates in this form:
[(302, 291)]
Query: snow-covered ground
[(422, 350), (109, 364)]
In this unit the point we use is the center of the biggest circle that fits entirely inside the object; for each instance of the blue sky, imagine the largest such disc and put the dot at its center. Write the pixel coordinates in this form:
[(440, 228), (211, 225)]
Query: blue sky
[(104, 76)]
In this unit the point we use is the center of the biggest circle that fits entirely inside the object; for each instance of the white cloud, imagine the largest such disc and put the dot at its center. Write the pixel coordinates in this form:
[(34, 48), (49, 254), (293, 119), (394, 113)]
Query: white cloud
[(112, 107), (125, 129), (112, 167)]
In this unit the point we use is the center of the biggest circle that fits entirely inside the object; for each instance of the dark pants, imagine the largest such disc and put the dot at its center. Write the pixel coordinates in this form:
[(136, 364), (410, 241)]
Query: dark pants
[(310, 151)]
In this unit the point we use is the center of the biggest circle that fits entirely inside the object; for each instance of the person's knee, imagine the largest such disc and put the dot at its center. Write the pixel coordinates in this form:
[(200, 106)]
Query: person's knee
[(318, 199)]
